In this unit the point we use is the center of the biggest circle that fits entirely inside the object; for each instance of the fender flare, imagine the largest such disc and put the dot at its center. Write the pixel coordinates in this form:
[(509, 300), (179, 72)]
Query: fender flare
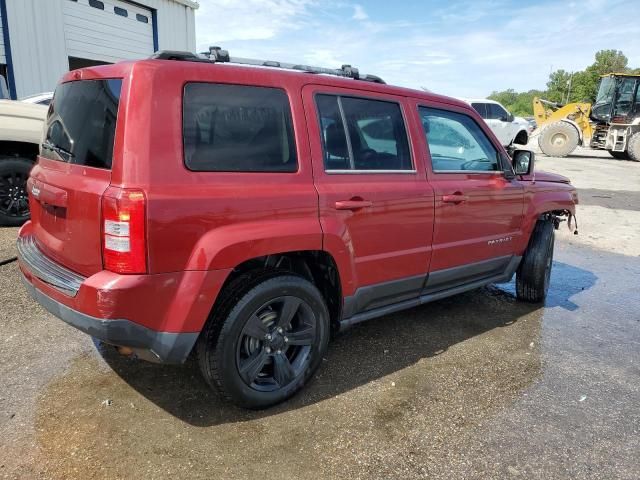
[(542, 202), (230, 245)]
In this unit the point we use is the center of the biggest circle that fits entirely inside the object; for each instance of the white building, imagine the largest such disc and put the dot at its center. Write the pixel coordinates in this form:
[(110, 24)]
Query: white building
[(40, 40)]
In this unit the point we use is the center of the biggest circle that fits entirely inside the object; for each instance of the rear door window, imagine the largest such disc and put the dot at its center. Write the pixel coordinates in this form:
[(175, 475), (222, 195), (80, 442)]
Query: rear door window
[(362, 134), (237, 128), (81, 123)]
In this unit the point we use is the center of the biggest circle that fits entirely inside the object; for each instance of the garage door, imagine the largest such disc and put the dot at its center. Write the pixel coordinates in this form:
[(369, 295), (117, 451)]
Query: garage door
[(3, 58), (107, 30)]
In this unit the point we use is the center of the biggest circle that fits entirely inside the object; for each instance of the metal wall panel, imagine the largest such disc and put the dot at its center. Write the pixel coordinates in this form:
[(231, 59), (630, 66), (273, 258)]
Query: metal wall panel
[(37, 44), (3, 57), (102, 35), (176, 25), (41, 45)]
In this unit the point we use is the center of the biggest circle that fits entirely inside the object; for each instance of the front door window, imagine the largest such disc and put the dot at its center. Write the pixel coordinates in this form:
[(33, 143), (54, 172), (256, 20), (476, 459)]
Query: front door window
[(456, 143)]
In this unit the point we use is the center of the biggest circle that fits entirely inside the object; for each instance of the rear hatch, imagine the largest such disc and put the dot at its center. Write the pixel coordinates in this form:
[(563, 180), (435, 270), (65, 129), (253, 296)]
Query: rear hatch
[(73, 172)]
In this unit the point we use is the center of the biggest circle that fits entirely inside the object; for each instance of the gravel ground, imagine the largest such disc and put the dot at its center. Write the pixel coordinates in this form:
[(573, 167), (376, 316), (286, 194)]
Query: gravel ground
[(474, 386), (7, 243), (609, 194)]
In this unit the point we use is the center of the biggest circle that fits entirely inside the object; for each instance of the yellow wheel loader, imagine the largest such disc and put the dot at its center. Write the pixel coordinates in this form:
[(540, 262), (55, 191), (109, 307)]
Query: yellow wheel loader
[(612, 123)]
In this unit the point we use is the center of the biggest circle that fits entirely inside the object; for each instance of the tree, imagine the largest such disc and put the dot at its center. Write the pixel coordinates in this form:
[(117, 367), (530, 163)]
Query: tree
[(609, 61), (584, 84), (558, 85), (581, 86), (517, 103)]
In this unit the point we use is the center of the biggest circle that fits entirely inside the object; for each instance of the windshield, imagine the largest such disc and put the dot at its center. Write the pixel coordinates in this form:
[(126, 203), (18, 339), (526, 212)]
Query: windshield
[(81, 123), (624, 100), (606, 90)]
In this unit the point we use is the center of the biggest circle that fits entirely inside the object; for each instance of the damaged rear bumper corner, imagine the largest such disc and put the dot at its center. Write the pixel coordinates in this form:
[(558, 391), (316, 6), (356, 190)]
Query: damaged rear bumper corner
[(148, 344)]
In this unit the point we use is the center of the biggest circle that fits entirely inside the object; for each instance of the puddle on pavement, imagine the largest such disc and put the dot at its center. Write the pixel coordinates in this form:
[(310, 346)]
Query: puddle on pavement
[(407, 387)]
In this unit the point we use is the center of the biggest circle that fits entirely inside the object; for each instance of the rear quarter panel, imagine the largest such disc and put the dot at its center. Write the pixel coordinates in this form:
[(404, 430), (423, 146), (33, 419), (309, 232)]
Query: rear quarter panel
[(210, 220)]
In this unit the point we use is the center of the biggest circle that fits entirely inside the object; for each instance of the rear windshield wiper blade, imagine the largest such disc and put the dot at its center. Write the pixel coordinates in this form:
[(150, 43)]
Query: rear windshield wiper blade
[(59, 150)]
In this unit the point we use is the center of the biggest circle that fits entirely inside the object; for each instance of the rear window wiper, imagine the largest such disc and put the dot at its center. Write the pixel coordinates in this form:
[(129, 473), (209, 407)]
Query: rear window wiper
[(59, 150)]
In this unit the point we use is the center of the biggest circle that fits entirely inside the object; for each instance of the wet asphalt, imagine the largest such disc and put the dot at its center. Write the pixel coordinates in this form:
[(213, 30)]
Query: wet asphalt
[(474, 386)]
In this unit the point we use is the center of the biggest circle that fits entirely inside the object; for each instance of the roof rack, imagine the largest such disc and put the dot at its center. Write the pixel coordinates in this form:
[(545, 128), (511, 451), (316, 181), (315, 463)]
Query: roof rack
[(218, 55)]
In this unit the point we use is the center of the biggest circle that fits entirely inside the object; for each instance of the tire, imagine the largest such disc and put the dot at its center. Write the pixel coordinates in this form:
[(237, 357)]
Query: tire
[(558, 139), (246, 358), (534, 273), (633, 148), (619, 155), (14, 201)]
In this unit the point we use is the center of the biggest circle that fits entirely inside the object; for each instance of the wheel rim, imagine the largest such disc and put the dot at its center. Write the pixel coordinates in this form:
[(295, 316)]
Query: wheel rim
[(275, 344), (559, 139), (14, 201)]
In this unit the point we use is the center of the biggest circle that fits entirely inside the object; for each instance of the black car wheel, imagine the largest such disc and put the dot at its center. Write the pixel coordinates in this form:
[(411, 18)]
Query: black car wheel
[(14, 200), (268, 344), (534, 273)]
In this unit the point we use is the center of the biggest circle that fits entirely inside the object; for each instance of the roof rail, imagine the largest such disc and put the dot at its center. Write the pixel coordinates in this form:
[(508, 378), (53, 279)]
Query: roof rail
[(218, 55)]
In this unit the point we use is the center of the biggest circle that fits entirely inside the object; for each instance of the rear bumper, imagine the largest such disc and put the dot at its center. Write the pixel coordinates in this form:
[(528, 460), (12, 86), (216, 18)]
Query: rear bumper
[(162, 347), (159, 316)]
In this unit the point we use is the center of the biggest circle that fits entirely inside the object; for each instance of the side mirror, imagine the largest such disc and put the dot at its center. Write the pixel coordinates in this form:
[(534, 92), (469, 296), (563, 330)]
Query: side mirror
[(507, 118), (523, 161)]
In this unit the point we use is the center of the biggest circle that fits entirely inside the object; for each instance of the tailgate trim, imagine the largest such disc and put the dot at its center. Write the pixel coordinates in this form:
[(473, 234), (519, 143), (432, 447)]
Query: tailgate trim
[(45, 269)]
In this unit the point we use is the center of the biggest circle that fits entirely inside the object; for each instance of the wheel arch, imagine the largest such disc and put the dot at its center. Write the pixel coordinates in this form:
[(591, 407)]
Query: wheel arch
[(543, 204), (317, 266), (520, 133)]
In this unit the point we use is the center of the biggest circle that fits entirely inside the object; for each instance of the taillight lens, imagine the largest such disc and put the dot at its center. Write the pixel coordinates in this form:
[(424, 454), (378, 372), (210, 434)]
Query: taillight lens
[(123, 231)]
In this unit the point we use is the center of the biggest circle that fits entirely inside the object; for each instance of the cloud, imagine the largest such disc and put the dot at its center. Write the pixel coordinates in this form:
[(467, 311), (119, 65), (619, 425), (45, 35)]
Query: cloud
[(232, 20), (359, 13), (464, 49)]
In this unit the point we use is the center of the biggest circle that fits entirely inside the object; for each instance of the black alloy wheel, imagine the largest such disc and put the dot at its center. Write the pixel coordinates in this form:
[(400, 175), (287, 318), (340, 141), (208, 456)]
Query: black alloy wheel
[(275, 343), (14, 198), (265, 338)]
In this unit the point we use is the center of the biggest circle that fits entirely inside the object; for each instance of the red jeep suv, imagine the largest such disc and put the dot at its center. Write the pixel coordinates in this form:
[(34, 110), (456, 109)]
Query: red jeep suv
[(190, 203)]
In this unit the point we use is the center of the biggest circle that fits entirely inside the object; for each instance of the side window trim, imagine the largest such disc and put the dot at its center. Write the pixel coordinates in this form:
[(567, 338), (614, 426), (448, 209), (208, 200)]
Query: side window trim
[(360, 172), (467, 172), (353, 171), (352, 162), (483, 109), (463, 172), (288, 126)]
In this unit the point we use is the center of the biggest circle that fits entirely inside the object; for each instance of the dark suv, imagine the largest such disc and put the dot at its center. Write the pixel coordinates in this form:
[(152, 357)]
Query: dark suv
[(185, 203)]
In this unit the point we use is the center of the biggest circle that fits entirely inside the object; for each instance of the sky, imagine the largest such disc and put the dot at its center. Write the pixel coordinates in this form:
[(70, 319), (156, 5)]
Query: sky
[(461, 48)]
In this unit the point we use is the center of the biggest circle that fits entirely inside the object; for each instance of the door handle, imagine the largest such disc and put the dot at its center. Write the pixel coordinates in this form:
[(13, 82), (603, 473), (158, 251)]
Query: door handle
[(353, 204), (456, 198)]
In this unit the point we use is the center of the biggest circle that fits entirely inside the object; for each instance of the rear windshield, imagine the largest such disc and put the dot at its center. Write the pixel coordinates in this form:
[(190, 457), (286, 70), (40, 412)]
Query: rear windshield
[(237, 128), (81, 123)]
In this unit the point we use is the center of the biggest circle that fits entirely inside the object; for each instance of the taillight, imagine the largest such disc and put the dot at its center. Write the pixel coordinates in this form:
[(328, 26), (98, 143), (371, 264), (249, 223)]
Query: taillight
[(123, 228)]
